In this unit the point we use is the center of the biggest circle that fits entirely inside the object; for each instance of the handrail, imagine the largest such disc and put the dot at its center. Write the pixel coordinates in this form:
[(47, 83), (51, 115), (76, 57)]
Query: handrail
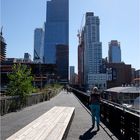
[(135, 112), (120, 120)]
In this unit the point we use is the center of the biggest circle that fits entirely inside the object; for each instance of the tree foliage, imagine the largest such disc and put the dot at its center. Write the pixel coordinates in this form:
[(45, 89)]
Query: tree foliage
[(20, 81)]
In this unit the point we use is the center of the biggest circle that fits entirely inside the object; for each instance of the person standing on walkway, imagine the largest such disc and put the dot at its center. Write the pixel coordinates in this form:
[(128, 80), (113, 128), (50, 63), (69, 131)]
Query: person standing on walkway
[(94, 101)]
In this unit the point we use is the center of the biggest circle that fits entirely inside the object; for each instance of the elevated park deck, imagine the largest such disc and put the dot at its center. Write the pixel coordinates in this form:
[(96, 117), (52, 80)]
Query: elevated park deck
[(81, 124)]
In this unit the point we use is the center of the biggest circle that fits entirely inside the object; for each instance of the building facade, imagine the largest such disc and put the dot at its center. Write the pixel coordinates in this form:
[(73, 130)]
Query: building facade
[(92, 51), (27, 57), (98, 80), (114, 53), (137, 73), (62, 63), (42, 73), (122, 95), (38, 45), (72, 75), (118, 74), (2, 48), (81, 58), (136, 78), (56, 28)]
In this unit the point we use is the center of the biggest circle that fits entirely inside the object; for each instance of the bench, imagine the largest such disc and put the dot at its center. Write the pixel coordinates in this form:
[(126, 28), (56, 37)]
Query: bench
[(52, 125)]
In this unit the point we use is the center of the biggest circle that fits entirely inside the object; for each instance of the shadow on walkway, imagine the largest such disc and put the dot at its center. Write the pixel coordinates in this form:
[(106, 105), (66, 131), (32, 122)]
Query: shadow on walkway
[(89, 134)]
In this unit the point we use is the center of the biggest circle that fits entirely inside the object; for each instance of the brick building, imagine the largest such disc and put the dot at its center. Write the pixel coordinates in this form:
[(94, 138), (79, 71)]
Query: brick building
[(120, 74)]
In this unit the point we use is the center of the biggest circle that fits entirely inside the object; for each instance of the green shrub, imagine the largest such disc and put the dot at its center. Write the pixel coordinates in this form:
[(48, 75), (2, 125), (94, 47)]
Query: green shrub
[(20, 81)]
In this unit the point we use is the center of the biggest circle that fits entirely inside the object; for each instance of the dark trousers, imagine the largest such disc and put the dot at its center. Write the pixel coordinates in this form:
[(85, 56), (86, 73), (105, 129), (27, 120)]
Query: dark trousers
[(95, 111)]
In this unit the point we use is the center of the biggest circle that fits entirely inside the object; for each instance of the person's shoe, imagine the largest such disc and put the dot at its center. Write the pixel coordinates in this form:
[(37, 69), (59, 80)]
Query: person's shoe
[(98, 128), (93, 125)]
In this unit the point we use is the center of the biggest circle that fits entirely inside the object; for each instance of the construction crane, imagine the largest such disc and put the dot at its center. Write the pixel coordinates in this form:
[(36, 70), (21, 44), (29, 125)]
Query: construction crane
[(80, 30)]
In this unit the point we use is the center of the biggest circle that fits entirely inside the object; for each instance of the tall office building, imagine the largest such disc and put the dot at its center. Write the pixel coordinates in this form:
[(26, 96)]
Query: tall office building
[(93, 52), (62, 63), (56, 28), (38, 45), (72, 75), (114, 53), (27, 57), (2, 48)]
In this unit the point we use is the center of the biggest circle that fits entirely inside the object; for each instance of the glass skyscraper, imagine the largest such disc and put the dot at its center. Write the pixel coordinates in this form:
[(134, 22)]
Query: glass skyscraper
[(114, 53), (38, 45), (56, 28)]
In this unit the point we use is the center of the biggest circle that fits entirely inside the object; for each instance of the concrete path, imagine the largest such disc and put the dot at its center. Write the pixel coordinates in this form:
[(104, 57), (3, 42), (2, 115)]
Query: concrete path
[(80, 127)]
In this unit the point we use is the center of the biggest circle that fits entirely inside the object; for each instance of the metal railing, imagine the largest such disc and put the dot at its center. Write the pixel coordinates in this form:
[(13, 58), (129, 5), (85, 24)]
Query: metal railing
[(123, 122)]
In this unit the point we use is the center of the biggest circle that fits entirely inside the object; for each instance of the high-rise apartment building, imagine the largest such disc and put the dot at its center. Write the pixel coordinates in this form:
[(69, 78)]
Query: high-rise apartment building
[(93, 46), (93, 52), (56, 28), (114, 53), (38, 45)]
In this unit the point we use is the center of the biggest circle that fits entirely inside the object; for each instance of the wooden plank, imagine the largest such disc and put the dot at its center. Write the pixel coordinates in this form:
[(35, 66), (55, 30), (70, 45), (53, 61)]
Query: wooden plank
[(57, 132), (60, 128), (33, 123), (51, 124), (47, 130), (43, 125), (47, 116), (45, 134)]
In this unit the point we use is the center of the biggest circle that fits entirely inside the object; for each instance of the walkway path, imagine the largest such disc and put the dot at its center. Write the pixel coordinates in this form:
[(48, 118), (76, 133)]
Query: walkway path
[(80, 127)]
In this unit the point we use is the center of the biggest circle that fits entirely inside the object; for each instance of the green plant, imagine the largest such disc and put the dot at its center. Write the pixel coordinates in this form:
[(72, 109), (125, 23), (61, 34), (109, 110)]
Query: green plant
[(36, 90), (20, 81), (53, 86)]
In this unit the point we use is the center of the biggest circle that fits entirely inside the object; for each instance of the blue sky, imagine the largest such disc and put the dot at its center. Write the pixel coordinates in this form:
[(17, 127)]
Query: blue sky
[(119, 20)]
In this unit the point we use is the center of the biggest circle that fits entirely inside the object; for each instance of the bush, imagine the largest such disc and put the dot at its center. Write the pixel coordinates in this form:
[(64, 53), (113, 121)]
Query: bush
[(20, 81)]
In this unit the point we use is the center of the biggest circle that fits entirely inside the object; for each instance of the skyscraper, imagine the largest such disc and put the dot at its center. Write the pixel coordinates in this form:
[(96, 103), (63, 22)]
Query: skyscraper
[(93, 46), (93, 52), (81, 58), (2, 48), (72, 74), (114, 53), (62, 63), (38, 45), (56, 28), (27, 57)]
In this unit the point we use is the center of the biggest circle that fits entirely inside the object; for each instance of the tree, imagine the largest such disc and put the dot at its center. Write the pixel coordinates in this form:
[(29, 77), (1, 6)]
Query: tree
[(20, 81)]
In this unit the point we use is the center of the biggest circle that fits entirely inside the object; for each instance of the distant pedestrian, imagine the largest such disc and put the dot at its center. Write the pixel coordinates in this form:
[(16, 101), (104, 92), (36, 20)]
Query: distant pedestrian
[(67, 88), (94, 101), (64, 87)]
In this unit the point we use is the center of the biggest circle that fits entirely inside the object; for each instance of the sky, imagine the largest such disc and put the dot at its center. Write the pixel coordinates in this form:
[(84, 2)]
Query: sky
[(119, 20)]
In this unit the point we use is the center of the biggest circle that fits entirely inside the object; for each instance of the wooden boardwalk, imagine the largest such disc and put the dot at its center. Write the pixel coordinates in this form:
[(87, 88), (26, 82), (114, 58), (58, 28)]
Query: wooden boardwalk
[(79, 129)]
